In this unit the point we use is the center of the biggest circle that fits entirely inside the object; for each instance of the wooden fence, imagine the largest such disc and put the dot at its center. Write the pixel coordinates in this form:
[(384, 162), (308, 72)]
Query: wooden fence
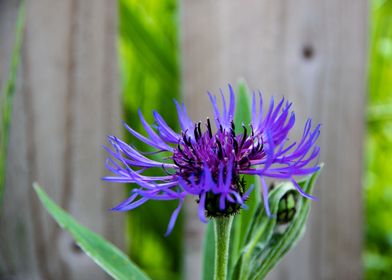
[(313, 52), (67, 100)]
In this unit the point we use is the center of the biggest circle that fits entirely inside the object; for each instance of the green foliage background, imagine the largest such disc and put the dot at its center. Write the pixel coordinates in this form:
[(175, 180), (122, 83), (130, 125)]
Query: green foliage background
[(148, 54), (378, 183)]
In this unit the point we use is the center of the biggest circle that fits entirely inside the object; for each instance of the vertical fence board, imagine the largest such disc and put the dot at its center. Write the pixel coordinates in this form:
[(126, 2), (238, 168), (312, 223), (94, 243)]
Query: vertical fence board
[(67, 100), (314, 53), (8, 15)]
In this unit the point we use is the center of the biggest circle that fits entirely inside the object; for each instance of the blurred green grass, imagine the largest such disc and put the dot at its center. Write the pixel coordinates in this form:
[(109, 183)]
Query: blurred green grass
[(149, 68), (7, 96), (378, 183)]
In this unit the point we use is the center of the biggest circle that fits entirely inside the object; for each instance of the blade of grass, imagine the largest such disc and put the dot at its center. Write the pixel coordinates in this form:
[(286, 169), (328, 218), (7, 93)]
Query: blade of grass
[(209, 252), (7, 97), (265, 244), (102, 252), (243, 220)]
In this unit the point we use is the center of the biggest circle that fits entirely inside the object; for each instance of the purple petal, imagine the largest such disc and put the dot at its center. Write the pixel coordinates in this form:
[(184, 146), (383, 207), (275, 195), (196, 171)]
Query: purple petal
[(153, 136), (201, 211), (216, 110), (165, 131), (232, 104), (301, 191), (222, 202), (185, 122), (173, 218), (265, 196)]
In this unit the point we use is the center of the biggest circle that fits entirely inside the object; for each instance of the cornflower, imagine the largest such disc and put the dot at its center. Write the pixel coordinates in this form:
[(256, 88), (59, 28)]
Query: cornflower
[(210, 163)]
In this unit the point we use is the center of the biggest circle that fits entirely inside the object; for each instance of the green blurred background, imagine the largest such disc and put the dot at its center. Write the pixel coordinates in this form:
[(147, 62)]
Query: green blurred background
[(149, 53), (377, 181)]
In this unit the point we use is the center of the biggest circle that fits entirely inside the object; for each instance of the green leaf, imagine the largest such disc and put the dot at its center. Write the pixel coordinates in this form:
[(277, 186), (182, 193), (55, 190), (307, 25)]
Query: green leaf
[(243, 220), (267, 241), (103, 253), (243, 107), (7, 96), (260, 231), (209, 252)]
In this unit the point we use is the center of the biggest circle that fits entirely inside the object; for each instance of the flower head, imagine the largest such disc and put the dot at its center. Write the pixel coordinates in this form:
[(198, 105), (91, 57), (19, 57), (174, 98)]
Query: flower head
[(209, 163)]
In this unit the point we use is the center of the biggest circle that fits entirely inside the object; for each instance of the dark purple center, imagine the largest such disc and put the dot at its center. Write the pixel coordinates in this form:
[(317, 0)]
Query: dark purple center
[(214, 150)]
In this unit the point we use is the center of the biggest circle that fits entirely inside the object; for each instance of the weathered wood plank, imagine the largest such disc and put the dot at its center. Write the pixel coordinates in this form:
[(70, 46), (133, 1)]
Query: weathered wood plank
[(8, 16), (67, 101), (314, 53)]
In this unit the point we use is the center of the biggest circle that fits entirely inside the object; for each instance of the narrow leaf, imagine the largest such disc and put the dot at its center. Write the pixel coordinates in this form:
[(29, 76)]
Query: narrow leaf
[(267, 241), (7, 96), (209, 252), (243, 220), (243, 109), (102, 252), (260, 232)]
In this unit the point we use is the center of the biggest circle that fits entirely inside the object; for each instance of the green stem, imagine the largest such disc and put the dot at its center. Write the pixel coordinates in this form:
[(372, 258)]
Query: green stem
[(222, 226)]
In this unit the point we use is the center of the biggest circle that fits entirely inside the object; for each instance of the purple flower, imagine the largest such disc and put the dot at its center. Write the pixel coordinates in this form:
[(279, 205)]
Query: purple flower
[(209, 163)]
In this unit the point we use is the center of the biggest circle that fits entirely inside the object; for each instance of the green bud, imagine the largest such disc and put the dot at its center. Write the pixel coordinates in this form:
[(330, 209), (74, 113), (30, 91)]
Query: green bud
[(286, 208)]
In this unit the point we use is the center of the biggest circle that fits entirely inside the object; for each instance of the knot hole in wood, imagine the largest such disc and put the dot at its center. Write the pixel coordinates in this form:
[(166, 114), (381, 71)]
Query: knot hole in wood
[(308, 52)]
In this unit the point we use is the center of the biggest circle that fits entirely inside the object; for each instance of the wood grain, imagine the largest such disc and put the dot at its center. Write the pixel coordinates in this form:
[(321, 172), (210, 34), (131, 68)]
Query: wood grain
[(67, 100), (314, 53)]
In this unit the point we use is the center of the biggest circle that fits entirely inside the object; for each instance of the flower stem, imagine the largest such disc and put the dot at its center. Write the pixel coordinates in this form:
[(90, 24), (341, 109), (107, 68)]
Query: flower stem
[(222, 226)]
